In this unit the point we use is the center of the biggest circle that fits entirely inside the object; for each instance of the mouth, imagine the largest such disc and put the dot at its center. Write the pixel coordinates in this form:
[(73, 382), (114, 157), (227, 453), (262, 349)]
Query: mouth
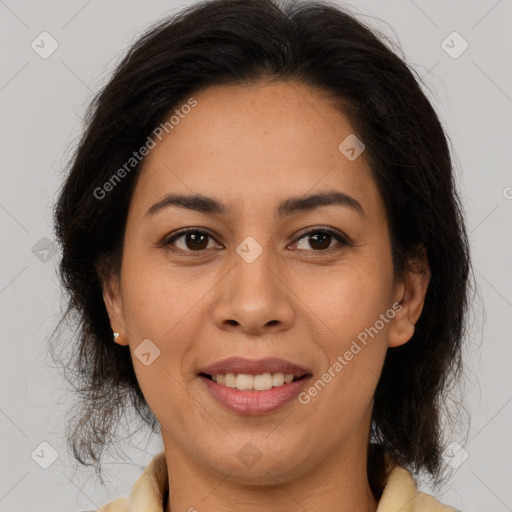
[(257, 375), (254, 387), (248, 382)]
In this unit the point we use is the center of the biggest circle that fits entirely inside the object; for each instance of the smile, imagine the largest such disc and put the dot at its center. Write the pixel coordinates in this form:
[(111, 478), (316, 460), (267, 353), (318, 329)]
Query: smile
[(251, 401), (247, 382)]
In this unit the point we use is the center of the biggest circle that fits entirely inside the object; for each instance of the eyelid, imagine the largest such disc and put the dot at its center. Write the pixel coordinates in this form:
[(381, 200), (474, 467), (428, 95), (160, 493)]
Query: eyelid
[(341, 237), (166, 242), (321, 229)]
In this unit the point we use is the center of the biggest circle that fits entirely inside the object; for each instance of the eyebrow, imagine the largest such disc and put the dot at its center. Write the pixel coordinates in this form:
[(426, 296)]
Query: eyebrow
[(289, 206)]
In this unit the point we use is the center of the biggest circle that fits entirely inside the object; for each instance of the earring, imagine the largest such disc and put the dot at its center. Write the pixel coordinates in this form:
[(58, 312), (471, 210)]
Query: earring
[(116, 335)]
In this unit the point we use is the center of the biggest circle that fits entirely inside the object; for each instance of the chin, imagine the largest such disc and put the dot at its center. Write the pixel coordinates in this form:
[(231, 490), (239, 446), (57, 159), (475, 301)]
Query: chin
[(259, 460)]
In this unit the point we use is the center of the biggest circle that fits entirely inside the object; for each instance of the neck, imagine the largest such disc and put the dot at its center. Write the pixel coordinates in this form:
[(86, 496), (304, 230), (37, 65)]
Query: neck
[(337, 484)]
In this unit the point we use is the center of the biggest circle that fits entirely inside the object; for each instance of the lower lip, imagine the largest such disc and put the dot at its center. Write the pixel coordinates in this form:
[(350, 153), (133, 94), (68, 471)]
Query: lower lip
[(254, 402)]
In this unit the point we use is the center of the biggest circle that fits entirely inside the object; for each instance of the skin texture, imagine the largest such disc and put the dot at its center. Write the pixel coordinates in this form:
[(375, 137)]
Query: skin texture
[(251, 147)]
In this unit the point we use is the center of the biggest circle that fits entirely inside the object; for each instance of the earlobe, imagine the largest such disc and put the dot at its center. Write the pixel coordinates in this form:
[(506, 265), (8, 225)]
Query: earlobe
[(400, 335), (113, 304), (410, 295), (120, 341)]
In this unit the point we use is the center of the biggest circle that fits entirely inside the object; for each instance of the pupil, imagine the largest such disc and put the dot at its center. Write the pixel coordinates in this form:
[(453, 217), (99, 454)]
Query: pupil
[(197, 242), (324, 236)]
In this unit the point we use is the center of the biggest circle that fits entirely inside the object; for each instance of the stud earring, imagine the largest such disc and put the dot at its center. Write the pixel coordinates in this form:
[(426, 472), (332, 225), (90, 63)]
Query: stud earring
[(116, 335)]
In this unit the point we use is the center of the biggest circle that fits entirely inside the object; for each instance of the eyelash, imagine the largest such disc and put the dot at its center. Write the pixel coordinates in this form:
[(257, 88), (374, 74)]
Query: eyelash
[(167, 243)]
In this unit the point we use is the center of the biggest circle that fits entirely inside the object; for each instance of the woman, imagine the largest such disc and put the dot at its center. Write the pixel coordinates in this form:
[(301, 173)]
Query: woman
[(266, 253)]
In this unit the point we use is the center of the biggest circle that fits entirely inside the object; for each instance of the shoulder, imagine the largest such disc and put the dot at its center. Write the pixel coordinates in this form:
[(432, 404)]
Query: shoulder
[(148, 492), (401, 493), (427, 503)]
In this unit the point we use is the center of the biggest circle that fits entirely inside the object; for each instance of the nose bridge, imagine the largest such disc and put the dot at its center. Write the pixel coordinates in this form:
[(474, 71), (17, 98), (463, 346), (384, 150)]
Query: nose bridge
[(253, 296), (253, 268)]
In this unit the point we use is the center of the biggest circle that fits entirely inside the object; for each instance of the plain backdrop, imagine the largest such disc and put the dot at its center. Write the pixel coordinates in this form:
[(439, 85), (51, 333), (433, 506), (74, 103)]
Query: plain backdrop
[(42, 102)]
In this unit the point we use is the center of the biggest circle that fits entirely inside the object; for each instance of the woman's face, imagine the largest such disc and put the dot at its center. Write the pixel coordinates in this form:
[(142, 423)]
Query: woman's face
[(252, 284)]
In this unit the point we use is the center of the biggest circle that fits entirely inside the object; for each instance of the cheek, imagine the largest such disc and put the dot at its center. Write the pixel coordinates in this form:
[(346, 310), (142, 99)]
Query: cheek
[(161, 305), (351, 298), (355, 312), (161, 300)]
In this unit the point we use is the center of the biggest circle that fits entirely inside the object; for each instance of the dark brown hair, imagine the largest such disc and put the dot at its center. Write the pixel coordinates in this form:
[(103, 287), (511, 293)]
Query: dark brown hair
[(240, 42)]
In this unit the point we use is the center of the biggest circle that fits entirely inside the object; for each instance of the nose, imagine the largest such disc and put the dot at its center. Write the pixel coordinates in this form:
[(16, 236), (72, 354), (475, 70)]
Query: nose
[(254, 298)]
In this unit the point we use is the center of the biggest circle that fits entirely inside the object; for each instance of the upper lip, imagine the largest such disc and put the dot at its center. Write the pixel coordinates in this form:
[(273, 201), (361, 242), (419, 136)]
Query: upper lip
[(254, 367)]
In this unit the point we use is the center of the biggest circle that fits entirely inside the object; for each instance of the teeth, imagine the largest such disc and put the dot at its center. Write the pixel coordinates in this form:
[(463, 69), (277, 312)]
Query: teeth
[(229, 380), (278, 379), (288, 377), (246, 382)]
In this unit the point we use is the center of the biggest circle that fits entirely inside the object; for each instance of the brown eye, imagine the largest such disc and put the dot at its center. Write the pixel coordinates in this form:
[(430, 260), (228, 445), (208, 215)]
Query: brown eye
[(193, 240), (320, 240), (196, 241)]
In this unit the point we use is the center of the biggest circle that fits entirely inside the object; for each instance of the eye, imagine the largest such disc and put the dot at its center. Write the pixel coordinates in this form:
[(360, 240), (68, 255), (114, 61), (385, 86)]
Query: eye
[(320, 240), (194, 240)]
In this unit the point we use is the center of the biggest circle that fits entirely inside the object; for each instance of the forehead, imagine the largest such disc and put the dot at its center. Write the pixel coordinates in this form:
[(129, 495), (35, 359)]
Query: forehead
[(259, 142)]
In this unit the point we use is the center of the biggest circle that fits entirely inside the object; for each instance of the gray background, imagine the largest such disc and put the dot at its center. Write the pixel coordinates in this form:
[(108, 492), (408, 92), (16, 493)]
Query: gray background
[(42, 102)]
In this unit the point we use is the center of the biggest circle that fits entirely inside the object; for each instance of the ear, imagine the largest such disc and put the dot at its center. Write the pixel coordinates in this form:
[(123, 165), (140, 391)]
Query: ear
[(410, 295), (111, 290)]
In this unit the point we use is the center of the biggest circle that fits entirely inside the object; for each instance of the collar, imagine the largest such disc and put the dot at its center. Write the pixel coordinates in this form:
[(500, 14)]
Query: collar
[(151, 488)]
